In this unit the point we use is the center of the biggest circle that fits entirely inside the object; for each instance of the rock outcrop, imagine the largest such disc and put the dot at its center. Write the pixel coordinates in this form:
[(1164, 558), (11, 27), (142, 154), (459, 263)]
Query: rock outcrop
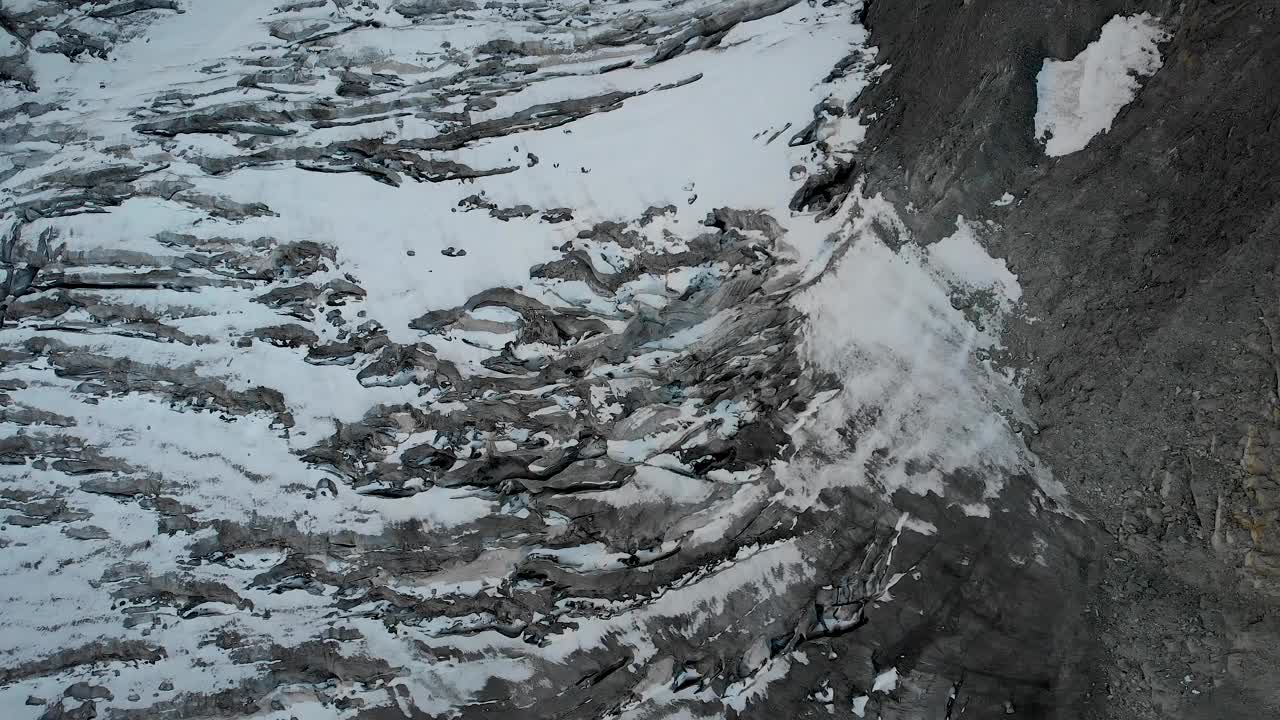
[(1149, 263)]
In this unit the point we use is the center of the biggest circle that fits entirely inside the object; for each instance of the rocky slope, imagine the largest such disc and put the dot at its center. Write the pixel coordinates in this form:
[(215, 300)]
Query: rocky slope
[(429, 358), (1149, 261)]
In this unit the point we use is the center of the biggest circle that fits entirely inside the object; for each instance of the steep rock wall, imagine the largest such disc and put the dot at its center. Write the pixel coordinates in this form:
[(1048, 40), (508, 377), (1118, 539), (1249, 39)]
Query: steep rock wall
[(1148, 260)]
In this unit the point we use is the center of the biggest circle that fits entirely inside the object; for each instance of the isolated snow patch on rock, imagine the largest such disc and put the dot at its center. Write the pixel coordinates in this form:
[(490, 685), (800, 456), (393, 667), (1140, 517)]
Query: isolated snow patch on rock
[(1079, 98)]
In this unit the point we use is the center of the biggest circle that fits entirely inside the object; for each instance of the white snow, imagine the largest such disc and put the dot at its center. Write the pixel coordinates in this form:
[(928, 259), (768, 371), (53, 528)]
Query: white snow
[(654, 485), (1078, 99), (884, 322), (961, 257), (9, 45), (886, 682)]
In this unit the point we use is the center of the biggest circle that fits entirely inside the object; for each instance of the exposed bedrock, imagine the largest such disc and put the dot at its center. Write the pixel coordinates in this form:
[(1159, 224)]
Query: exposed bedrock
[(1148, 259)]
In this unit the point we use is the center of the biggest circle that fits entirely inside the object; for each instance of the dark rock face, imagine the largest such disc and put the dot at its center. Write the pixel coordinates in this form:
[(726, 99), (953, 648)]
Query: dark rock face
[(1149, 259)]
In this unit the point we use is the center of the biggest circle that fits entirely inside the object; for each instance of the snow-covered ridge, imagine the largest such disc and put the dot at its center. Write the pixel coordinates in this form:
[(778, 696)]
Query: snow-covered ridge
[(422, 358)]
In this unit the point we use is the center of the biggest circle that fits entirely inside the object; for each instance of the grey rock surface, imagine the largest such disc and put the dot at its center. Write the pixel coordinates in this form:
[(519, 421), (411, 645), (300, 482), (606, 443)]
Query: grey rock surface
[(1149, 260)]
